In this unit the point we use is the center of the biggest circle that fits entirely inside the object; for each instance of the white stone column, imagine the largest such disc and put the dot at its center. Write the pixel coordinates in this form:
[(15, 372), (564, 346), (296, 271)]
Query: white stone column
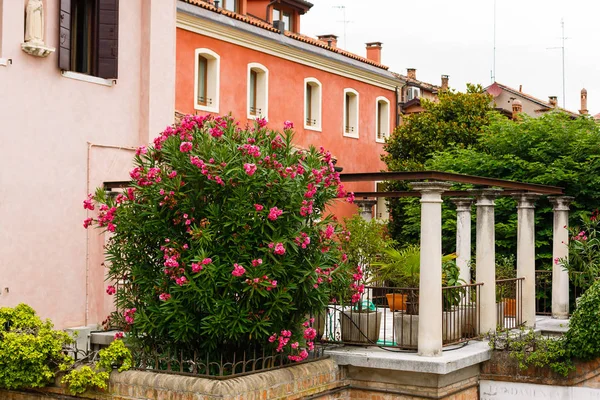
[(365, 208), (560, 277), (485, 255), (526, 257), (430, 283), (463, 236)]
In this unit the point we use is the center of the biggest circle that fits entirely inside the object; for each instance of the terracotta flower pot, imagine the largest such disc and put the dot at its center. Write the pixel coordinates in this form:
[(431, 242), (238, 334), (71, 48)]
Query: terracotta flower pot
[(396, 301)]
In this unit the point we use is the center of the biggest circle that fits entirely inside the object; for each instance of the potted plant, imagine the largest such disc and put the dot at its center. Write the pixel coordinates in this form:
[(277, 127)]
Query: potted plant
[(506, 293), (452, 315), (361, 322), (400, 269)]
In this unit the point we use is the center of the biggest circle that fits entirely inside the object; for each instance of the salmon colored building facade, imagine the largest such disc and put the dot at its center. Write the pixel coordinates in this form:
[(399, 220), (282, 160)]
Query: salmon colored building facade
[(235, 59)]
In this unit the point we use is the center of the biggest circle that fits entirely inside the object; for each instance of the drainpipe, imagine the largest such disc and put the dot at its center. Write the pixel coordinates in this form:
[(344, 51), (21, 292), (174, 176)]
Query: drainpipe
[(397, 113), (269, 6)]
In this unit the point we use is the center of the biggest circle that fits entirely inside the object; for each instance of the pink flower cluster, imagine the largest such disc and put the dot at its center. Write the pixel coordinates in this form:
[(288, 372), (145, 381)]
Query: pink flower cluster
[(324, 275), (356, 286), (257, 262), (277, 248), (197, 267), (258, 207), (183, 130), (256, 282), (288, 125), (261, 122), (303, 240), (581, 236), (283, 339), (306, 208), (197, 162), (129, 315), (250, 149), (164, 296), (274, 213), (87, 203), (110, 290), (238, 270), (186, 147), (141, 150), (118, 335), (250, 169), (106, 217)]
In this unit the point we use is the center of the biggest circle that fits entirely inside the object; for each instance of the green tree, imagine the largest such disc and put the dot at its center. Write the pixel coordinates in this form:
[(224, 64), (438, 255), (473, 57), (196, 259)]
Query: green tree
[(456, 121), (551, 150)]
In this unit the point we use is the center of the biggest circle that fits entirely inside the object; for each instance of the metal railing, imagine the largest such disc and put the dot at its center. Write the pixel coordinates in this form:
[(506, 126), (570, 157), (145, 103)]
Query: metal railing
[(311, 122), (216, 367), (349, 129), (255, 111), (389, 317), (204, 100), (543, 292), (509, 302)]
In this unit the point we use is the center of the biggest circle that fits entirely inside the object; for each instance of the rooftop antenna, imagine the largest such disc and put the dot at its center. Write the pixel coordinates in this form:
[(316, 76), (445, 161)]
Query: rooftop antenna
[(345, 22), (494, 60), (562, 48)]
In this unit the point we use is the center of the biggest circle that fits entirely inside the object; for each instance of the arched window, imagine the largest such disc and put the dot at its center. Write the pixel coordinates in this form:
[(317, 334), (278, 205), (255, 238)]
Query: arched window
[(382, 119), (312, 104), (350, 113), (258, 91), (206, 89)]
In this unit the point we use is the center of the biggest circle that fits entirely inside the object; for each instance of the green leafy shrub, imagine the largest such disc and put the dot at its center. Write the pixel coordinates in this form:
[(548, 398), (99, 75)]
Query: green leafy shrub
[(115, 356), (220, 241), (583, 263), (31, 352), (583, 336)]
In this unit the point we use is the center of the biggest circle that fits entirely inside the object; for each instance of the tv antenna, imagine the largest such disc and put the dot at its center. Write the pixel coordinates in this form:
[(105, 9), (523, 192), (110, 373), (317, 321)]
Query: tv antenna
[(562, 48), (494, 59), (345, 22)]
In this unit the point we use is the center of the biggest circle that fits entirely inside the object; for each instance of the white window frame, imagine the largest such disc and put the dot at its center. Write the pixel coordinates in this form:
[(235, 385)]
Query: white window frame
[(316, 104), (353, 120), (415, 90), (212, 85), (381, 203), (262, 91), (385, 125)]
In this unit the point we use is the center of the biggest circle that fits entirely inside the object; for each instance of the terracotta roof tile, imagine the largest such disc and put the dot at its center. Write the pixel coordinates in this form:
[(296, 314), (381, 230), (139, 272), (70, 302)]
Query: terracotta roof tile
[(528, 96), (421, 84), (265, 25)]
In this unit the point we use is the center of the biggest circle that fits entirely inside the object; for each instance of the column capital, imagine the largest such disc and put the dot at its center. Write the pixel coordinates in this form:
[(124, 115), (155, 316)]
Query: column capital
[(561, 203), (430, 187), (462, 203), (526, 200), (485, 197)]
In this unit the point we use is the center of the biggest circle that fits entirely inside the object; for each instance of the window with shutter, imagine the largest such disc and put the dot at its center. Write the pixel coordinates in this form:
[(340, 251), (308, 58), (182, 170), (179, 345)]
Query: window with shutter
[(207, 76), (89, 37), (350, 113), (312, 104)]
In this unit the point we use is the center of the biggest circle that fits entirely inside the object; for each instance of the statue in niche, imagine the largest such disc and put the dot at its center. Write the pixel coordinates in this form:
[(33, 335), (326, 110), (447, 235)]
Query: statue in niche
[(34, 22)]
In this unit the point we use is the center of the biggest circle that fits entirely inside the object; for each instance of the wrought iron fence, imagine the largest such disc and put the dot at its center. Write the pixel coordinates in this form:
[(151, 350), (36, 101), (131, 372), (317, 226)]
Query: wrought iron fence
[(509, 302), (543, 292), (389, 317), (195, 364)]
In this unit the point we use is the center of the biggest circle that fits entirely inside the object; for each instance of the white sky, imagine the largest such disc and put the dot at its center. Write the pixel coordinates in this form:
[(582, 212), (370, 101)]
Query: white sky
[(456, 38)]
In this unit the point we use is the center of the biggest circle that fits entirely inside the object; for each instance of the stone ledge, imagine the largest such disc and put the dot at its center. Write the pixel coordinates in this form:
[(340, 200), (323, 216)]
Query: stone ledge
[(374, 357)]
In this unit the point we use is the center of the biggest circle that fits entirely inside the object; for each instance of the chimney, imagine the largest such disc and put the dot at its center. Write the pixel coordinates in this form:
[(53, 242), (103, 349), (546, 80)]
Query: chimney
[(374, 51), (584, 109), (331, 40), (411, 73), (279, 25), (444, 82), (520, 88), (517, 108), (552, 100)]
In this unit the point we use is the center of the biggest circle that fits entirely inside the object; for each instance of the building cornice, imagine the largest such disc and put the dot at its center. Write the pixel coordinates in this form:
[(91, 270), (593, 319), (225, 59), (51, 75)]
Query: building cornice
[(276, 48)]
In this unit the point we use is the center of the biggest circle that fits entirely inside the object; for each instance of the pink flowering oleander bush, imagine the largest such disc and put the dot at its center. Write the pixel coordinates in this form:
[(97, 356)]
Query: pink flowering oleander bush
[(220, 242)]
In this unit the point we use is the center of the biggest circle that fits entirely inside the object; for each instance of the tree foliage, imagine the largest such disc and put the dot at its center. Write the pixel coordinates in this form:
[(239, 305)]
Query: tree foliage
[(551, 150), (456, 121)]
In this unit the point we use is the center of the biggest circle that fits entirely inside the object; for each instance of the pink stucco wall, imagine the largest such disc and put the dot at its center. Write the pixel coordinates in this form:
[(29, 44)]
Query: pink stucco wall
[(61, 138)]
